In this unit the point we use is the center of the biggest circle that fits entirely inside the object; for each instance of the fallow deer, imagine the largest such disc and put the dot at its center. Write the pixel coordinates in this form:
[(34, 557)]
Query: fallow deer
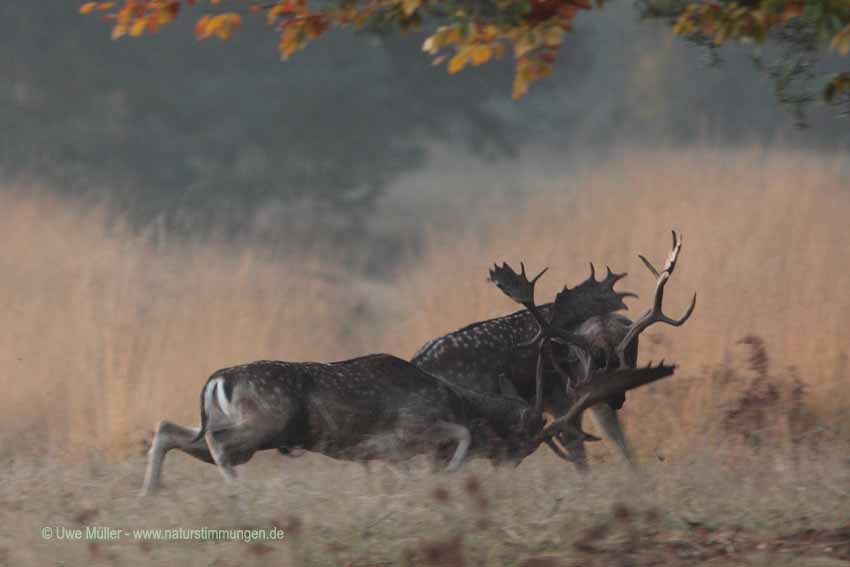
[(493, 355), (382, 407)]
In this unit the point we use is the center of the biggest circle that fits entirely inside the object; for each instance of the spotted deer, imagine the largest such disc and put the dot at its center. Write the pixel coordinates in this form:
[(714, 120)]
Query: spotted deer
[(373, 407), (382, 407), (495, 356)]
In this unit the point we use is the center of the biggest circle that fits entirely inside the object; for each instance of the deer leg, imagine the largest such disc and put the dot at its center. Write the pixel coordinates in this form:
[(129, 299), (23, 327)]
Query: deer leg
[(455, 433), (608, 421), (578, 456), (220, 454), (171, 436)]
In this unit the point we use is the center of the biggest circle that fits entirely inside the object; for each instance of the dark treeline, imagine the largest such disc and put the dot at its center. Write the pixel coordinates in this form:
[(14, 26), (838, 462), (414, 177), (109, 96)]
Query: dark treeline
[(210, 131)]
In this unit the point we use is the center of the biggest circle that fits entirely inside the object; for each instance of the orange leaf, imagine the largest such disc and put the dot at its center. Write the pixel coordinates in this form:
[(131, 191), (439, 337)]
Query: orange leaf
[(118, 30), (88, 7), (288, 42), (457, 63), (792, 10), (481, 54), (125, 15), (138, 27), (202, 27), (315, 27)]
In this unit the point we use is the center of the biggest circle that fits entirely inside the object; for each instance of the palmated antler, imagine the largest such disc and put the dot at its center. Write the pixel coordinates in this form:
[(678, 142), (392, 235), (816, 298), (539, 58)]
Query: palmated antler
[(518, 287), (603, 385), (590, 298), (655, 314)]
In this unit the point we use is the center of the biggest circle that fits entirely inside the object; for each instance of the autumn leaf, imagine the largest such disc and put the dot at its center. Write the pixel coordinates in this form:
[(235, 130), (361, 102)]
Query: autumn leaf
[(315, 26), (410, 6), (289, 42), (137, 28), (452, 34), (167, 13), (457, 63), (535, 30), (201, 27), (792, 10), (520, 86), (838, 85), (841, 41), (480, 54), (430, 45), (553, 37)]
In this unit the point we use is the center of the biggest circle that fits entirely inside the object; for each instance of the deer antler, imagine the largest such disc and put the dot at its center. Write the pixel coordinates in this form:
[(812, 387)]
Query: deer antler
[(589, 298), (603, 385), (655, 314), (520, 289)]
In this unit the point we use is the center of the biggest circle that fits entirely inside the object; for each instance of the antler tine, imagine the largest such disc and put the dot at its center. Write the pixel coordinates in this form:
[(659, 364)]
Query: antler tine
[(538, 380), (577, 408), (537, 277), (656, 314), (519, 288), (548, 333), (601, 387), (648, 265), (515, 285)]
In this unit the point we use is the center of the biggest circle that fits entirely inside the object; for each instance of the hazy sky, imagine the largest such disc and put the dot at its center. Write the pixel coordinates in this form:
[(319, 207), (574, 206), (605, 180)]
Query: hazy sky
[(210, 129)]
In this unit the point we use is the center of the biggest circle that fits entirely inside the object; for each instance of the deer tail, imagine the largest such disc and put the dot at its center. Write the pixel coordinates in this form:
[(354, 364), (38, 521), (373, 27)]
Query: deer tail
[(214, 387)]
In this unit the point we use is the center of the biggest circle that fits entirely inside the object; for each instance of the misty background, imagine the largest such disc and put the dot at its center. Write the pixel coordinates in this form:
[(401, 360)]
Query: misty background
[(169, 207), (357, 135)]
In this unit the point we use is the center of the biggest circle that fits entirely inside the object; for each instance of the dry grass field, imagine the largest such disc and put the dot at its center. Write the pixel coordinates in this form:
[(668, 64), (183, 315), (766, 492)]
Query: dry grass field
[(745, 452)]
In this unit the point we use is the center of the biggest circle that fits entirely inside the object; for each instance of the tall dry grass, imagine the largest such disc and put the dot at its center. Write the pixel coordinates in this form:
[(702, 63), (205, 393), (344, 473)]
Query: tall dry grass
[(108, 331), (766, 246)]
